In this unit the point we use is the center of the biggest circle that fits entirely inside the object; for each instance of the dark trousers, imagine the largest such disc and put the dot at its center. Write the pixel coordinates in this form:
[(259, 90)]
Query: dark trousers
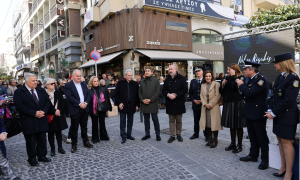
[(80, 118), (258, 139), (155, 122), (36, 145), (197, 116), (69, 133), (58, 139), (96, 122), (123, 124)]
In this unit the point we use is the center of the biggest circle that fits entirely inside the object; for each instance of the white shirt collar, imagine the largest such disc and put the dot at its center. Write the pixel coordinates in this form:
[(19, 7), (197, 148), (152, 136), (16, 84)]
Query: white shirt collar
[(283, 73), (200, 79), (76, 83), (28, 88), (254, 75)]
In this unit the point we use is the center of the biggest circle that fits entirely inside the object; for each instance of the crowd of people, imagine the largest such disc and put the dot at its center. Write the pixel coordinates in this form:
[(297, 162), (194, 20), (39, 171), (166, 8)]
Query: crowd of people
[(44, 106)]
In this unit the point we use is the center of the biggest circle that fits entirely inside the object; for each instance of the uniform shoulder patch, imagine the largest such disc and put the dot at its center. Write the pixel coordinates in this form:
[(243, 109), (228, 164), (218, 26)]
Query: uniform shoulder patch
[(260, 82), (296, 83)]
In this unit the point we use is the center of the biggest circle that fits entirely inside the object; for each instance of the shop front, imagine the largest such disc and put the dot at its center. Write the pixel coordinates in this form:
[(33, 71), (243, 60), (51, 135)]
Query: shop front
[(160, 42), (21, 71)]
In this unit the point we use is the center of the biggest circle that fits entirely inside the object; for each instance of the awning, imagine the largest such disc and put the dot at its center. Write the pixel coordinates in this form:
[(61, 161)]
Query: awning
[(103, 59), (172, 55)]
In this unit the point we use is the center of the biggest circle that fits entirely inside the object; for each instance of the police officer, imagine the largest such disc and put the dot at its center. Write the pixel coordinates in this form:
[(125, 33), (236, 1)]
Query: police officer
[(284, 111), (255, 92), (194, 93)]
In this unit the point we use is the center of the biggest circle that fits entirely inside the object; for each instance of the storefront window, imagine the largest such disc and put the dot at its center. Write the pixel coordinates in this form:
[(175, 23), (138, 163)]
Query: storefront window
[(217, 66), (162, 68), (205, 36)]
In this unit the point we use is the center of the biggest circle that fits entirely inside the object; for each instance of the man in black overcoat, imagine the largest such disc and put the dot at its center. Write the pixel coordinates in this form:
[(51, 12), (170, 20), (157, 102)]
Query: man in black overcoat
[(32, 103)]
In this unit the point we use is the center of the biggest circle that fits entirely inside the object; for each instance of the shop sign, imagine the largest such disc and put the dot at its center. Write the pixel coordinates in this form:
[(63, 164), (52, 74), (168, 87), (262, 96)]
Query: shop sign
[(60, 11), (194, 7), (178, 45), (61, 22), (61, 33), (118, 45), (153, 43), (209, 51), (130, 38), (60, 2)]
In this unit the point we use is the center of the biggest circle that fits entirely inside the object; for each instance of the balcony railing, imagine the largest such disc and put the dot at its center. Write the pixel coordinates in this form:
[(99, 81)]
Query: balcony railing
[(41, 24), (41, 47), (47, 18), (48, 43), (34, 6), (54, 39), (40, 1), (53, 11)]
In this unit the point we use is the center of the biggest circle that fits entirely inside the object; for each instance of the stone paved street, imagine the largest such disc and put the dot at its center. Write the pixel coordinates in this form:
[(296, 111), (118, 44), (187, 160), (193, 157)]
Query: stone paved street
[(139, 160)]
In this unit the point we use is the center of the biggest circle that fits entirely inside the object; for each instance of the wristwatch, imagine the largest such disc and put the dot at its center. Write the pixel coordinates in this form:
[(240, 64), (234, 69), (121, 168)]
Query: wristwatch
[(86, 103)]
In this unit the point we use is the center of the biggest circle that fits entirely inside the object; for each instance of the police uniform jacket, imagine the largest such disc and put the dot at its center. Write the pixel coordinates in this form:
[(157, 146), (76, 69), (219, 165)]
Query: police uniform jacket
[(255, 92), (283, 101), (194, 93)]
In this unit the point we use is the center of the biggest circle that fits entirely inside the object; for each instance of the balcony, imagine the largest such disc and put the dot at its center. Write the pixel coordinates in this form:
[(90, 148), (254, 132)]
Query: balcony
[(54, 39), (35, 6), (34, 52), (24, 48), (46, 18), (48, 43), (53, 11), (41, 48), (268, 4)]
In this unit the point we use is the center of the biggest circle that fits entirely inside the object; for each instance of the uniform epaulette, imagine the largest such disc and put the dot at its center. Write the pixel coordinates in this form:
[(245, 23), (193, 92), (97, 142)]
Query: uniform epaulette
[(294, 74)]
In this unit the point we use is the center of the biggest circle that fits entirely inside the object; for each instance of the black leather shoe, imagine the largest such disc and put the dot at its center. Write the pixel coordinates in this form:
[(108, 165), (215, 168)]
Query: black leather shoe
[(263, 165), (130, 137), (158, 138), (123, 141), (238, 149), (279, 175), (88, 145), (44, 159), (171, 139), (193, 137), (74, 148), (146, 137), (33, 163), (52, 153), (61, 151), (179, 138), (95, 141), (248, 158), (230, 147)]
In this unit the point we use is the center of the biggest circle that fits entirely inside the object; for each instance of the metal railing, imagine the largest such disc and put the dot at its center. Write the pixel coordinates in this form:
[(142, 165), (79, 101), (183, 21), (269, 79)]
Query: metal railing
[(42, 47), (48, 43), (34, 6), (53, 11), (54, 39), (41, 24), (47, 18)]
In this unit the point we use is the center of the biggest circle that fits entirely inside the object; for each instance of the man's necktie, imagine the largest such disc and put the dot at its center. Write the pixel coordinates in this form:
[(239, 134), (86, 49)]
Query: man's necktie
[(34, 96)]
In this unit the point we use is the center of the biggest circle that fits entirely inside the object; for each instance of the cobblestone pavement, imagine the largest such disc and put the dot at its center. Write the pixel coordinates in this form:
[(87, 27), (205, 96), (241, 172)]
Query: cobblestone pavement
[(140, 160)]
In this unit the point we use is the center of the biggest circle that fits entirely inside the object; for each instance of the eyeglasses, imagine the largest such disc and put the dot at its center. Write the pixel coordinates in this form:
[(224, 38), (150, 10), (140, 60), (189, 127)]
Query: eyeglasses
[(4, 84), (51, 84)]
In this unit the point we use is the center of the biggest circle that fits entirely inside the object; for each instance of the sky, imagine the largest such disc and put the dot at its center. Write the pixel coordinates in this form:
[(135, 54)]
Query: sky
[(7, 9)]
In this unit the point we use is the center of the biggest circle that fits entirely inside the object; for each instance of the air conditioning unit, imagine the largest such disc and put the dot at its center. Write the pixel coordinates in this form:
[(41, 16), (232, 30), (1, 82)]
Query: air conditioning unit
[(82, 12), (236, 8)]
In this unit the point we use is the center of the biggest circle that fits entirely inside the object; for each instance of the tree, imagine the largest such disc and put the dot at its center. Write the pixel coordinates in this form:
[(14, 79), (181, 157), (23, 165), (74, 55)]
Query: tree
[(276, 15)]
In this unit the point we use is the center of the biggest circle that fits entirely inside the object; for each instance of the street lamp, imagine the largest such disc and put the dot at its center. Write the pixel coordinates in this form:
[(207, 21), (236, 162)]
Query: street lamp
[(45, 72)]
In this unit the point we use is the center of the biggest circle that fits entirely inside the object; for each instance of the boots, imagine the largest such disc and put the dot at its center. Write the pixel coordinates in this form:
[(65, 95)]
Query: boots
[(210, 140), (215, 141)]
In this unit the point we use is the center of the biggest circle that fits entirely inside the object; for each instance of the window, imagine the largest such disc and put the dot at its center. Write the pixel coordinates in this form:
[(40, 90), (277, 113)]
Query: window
[(205, 36), (89, 38)]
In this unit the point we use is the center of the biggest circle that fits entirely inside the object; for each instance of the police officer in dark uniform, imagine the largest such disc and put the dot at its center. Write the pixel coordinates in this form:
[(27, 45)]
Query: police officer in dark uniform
[(194, 93), (284, 111), (256, 92)]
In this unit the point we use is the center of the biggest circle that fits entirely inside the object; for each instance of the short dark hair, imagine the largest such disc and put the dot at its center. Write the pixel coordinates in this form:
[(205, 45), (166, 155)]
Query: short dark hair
[(148, 67), (206, 72), (256, 70)]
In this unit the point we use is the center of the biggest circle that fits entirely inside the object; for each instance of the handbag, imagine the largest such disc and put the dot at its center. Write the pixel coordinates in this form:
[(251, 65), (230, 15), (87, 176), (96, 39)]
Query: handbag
[(50, 118), (12, 124), (101, 106), (221, 101)]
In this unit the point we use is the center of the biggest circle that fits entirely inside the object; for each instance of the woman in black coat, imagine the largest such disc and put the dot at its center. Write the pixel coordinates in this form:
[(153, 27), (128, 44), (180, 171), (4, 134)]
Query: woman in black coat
[(97, 92), (232, 115), (57, 108)]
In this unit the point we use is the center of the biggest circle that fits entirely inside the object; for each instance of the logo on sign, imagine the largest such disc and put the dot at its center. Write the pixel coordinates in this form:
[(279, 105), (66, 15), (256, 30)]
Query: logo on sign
[(130, 38), (60, 22)]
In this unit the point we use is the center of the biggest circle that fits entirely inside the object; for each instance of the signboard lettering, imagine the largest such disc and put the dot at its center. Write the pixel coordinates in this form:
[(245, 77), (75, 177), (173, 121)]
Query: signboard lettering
[(60, 11), (60, 2), (195, 7), (60, 22), (61, 33)]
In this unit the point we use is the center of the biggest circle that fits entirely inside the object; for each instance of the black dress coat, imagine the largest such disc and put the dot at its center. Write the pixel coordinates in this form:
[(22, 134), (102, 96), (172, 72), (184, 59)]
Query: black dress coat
[(121, 96), (27, 108), (104, 90), (59, 123), (177, 85), (74, 99), (230, 92)]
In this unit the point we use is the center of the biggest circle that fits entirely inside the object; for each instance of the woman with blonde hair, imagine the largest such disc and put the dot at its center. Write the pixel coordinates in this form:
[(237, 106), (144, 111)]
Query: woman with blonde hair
[(211, 114), (284, 111), (99, 105), (232, 114)]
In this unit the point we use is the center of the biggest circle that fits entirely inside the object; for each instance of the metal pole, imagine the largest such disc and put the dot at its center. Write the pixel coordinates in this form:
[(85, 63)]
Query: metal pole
[(45, 72), (96, 66)]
